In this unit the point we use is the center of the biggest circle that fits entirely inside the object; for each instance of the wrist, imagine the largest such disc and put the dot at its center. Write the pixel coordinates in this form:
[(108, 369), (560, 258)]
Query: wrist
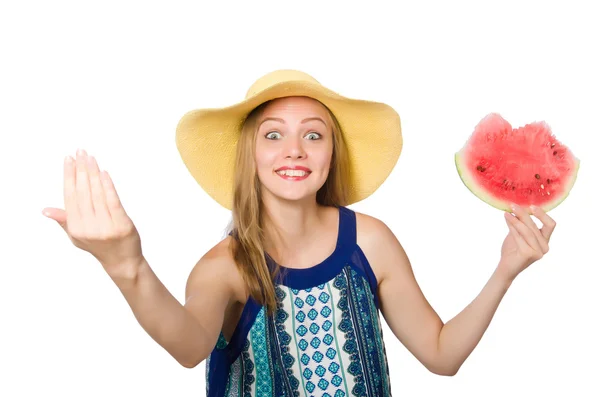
[(127, 274), (503, 277)]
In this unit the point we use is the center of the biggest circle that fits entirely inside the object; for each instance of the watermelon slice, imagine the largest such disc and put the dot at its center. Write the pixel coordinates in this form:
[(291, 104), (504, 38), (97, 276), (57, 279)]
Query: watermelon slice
[(526, 165)]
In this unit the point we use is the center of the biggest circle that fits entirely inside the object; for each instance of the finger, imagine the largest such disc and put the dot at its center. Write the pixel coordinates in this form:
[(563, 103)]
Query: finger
[(70, 195), (113, 202), (524, 232), (57, 214), (548, 224), (525, 218), (521, 244), (84, 198), (97, 190)]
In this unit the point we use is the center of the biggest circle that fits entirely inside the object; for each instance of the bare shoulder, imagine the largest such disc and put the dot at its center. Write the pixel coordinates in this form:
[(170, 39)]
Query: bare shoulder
[(370, 229), (379, 244), (217, 268)]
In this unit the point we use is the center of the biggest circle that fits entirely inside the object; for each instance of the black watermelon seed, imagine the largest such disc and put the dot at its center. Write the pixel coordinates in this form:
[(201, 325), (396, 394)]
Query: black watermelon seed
[(548, 181), (554, 153), (480, 168), (537, 176)]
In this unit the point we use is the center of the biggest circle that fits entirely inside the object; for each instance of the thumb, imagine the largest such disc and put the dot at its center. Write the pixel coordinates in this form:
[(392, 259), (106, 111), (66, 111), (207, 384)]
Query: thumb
[(60, 216)]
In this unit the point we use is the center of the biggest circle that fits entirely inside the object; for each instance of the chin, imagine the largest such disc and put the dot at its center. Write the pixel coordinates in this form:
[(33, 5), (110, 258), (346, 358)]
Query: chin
[(295, 194), (291, 191), (292, 196)]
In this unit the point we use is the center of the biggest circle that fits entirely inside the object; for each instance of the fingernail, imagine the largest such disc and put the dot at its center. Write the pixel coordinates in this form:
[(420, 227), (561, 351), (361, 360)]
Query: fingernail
[(68, 159), (533, 207), (513, 207)]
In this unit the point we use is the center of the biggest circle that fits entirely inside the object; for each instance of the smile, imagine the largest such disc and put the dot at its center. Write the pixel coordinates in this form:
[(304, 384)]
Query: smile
[(293, 174)]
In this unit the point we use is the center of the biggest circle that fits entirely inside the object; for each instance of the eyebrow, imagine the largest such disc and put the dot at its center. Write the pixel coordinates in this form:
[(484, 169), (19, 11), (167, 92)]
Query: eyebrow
[(306, 120)]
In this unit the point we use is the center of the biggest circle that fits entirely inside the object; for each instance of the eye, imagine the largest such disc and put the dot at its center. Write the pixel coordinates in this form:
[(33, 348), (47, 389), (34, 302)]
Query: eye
[(273, 135), (313, 136)]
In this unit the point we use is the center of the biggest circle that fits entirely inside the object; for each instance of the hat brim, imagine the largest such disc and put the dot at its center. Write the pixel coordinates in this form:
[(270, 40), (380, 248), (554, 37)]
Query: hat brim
[(207, 139)]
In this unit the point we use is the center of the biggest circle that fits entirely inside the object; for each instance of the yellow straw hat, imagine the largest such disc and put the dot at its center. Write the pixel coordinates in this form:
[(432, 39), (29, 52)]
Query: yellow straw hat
[(207, 138)]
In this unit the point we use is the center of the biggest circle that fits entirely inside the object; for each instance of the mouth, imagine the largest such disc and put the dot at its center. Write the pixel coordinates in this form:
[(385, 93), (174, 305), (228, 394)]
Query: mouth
[(293, 174)]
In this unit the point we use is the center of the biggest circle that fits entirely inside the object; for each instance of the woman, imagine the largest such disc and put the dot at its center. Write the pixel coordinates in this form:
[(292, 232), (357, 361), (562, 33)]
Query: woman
[(288, 303)]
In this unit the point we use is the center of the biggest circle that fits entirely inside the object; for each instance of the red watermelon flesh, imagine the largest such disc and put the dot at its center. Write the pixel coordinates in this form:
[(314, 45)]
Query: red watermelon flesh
[(526, 165)]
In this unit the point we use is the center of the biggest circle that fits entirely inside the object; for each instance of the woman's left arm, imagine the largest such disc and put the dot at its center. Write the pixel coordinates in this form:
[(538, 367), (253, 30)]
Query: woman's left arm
[(443, 348)]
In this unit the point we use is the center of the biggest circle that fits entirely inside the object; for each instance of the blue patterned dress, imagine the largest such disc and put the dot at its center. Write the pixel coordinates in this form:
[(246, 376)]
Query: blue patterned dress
[(325, 338)]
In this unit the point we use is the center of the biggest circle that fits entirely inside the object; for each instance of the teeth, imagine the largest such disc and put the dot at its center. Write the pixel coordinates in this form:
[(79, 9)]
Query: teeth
[(292, 172)]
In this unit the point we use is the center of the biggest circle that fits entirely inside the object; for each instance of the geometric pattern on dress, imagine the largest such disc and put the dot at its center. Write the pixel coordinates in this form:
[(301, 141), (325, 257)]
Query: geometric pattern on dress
[(314, 334)]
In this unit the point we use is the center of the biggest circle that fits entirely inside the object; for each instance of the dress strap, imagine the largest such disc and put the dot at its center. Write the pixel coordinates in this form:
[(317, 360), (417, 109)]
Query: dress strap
[(347, 228)]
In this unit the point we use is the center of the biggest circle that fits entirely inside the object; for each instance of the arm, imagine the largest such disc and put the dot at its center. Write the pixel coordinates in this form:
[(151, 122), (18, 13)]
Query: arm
[(460, 335), (190, 332), (441, 348), (96, 222)]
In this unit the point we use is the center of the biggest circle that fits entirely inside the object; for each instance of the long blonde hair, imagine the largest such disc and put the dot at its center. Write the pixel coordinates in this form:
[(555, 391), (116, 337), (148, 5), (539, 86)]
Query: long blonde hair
[(247, 224)]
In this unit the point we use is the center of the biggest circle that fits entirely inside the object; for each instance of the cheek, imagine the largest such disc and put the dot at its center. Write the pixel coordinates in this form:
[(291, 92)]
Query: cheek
[(323, 159), (265, 158)]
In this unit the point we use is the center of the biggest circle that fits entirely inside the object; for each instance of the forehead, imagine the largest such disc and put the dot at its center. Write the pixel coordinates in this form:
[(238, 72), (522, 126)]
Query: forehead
[(295, 106)]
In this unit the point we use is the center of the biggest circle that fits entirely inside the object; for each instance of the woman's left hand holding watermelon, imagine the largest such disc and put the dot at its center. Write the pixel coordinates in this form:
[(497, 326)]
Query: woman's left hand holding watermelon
[(525, 242)]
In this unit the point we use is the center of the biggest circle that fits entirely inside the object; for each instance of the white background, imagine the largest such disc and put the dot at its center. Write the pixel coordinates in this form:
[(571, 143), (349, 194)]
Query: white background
[(114, 77)]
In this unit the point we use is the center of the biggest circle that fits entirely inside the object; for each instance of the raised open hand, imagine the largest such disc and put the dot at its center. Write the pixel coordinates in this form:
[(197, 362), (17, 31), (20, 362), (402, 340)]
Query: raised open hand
[(94, 218), (525, 242)]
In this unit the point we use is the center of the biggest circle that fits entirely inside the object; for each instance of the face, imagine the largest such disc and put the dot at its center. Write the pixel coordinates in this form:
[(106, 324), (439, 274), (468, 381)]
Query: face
[(294, 147)]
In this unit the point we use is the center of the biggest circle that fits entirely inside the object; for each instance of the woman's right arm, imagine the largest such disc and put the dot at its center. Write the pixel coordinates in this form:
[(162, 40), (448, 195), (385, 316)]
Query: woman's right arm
[(95, 221), (187, 332)]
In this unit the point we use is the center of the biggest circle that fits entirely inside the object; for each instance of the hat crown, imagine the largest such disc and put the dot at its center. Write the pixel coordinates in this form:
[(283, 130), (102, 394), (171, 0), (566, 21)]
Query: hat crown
[(276, 77)]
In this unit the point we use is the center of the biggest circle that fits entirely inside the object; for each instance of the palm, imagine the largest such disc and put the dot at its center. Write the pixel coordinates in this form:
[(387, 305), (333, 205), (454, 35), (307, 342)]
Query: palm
[(509, 246), (525, 243), (94, 218), (510, 253)]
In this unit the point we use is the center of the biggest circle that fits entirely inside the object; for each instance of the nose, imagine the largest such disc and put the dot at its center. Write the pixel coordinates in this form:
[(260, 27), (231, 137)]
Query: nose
[(294, 149)]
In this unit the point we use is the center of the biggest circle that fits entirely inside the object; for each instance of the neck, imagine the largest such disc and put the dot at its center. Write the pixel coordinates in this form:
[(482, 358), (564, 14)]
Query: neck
[(290, 226)]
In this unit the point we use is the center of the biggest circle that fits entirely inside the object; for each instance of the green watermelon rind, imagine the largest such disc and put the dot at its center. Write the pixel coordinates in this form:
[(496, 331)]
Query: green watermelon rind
[(472, 185)]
